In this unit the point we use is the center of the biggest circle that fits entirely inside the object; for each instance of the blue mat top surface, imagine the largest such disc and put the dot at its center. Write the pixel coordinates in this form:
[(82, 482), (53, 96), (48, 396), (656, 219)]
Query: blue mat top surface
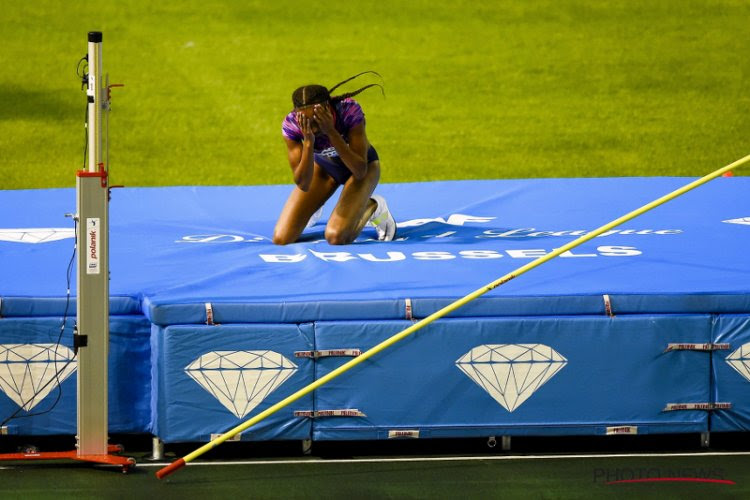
[(174, 248)]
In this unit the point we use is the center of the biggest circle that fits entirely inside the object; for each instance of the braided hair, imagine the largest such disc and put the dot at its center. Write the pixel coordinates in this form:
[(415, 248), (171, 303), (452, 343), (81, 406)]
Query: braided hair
[(318, 94)]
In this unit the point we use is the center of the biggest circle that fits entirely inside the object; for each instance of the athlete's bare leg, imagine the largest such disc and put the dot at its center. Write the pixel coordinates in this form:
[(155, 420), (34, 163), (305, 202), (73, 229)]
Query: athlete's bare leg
[(354, 207), (301, 205)]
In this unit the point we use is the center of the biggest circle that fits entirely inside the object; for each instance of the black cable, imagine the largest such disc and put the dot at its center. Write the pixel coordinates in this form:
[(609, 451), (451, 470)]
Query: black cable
[(85, 137), (83, 75), (56, 377)]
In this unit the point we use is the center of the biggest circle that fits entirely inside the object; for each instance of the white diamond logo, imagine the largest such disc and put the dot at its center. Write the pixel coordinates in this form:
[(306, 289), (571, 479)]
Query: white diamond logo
[(741, 220), (740, 360), (27, 371), (36, 235), (241, 380), (511, 373)]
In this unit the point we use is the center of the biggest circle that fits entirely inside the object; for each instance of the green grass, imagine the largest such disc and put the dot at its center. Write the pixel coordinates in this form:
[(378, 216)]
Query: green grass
[(473, 89)]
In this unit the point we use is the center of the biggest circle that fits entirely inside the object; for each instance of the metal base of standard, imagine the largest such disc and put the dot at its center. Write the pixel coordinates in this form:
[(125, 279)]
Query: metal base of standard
[(126, 463)]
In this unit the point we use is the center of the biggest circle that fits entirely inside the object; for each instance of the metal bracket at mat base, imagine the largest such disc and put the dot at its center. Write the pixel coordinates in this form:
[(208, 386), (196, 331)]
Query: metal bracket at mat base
[(328, 353), (710, 346), (697, 406), (353, 412)]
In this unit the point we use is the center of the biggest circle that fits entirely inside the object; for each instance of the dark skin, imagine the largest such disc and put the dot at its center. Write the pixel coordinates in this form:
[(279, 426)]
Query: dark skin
[(314, 186)]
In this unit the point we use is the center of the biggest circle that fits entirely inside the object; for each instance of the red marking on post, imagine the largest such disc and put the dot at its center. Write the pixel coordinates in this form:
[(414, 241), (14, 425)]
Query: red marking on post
[(101, 174)]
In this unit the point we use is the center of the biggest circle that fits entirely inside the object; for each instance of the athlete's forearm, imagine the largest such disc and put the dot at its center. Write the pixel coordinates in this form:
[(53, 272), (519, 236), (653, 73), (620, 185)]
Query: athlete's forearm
[(303, 172), (353, 161)]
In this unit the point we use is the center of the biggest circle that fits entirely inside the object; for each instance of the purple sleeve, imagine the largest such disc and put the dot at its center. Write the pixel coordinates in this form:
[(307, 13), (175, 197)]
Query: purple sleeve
[(351, 113), (290, 129)]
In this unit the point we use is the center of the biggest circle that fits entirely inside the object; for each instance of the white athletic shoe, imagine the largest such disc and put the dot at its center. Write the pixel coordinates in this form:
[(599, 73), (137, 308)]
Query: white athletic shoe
[(315, 218), (382, 220)]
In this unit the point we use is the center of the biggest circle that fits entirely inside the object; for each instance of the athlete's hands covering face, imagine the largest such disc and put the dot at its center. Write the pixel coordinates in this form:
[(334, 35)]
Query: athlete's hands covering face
[(324, 118), (306, 124)]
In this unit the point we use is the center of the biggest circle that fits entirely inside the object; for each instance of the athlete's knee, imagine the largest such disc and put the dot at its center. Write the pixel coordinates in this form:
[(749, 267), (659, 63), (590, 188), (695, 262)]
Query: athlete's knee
[(282, 237), (281, 240), (339, 236)]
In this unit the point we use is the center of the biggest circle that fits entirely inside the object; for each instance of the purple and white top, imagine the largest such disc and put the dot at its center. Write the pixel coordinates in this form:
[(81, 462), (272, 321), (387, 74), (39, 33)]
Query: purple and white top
[(348, 115)]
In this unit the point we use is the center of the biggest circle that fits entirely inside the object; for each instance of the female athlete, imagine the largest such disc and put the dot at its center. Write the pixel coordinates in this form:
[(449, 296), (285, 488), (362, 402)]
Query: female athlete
[(327, 147)]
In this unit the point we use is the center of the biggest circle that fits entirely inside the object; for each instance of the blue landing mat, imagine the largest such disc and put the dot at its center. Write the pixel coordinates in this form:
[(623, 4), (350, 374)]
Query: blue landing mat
[(175, 248), (682, 270)]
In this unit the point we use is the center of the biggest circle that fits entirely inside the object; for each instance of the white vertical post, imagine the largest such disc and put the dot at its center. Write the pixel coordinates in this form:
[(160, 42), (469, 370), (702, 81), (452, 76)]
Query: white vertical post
[(94, 93), (92, 198)]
